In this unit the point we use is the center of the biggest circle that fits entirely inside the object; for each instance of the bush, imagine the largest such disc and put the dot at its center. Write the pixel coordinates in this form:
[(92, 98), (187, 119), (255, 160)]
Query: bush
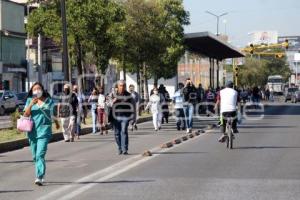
[(14, 117)]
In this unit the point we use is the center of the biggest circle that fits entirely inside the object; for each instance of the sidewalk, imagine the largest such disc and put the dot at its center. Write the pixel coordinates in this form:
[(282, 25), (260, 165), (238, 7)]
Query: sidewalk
[(56, 136), (69, 162)]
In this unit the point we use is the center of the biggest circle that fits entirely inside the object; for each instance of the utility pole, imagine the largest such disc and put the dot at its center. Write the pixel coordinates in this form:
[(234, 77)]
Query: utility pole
[(40, 58), (218, 19), (65, 56), (27, 52)]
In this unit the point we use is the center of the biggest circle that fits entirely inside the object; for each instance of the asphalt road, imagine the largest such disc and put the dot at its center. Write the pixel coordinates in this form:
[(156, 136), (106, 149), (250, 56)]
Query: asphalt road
[(264, 164)]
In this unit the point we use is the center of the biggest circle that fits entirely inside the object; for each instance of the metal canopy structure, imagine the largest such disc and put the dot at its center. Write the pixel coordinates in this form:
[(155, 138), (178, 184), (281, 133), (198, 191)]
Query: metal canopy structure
[(211, 46)]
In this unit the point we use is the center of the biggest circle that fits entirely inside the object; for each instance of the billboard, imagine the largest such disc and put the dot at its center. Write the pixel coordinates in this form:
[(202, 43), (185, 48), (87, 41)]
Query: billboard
[(294, 42), (264, 37)]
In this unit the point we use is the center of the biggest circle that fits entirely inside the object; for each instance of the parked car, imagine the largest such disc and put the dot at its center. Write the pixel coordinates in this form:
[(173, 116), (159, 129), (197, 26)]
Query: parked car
[(289, 92), (296, 97), (22, 97), (8, 102)]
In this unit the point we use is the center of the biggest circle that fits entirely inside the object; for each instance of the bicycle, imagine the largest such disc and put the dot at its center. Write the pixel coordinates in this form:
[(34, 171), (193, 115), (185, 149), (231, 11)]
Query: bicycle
[(229, 137)]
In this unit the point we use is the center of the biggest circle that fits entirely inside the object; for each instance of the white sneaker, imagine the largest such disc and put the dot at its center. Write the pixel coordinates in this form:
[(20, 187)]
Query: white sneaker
[(187, 130), (38, 182)]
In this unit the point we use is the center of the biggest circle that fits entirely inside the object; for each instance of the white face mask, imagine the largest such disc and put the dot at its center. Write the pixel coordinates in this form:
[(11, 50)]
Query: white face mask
[(37, 93)]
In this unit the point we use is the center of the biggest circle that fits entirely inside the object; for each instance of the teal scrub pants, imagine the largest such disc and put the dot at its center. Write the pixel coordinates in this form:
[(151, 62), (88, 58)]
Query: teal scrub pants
[(38, 149)]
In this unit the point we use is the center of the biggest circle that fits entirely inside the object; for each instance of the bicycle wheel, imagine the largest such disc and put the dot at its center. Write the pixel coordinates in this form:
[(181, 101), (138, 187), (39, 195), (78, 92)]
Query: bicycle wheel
[(230, 139), (227, 142)]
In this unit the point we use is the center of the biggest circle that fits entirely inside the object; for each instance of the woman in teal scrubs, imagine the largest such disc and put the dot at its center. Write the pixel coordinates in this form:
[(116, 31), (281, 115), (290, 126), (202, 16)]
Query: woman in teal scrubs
[(39, 106)]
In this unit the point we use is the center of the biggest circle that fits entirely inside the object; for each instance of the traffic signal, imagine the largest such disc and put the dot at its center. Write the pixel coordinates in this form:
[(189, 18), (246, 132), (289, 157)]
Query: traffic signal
[(279, 55), (286, 44), (236, 71), (251, 48)]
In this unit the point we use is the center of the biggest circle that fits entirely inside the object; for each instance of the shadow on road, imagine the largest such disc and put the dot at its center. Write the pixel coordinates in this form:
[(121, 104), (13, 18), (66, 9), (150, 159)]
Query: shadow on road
[(14, 191), (257, 127), (177, 153), (282, 109), (29, 161), (53, 183), (268, 147)]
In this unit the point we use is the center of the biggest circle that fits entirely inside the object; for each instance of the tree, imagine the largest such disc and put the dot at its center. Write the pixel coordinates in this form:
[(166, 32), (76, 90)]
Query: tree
[(256, 70), (92, 27)]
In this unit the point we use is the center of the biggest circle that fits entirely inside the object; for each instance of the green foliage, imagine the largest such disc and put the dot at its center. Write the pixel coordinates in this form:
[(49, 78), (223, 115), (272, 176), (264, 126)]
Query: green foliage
[(133, 32), (255, 72), (154, 35), (14, 117)]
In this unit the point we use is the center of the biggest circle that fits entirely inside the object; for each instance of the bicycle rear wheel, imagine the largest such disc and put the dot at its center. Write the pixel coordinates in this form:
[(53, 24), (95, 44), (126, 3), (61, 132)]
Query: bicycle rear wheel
[(230, 139)]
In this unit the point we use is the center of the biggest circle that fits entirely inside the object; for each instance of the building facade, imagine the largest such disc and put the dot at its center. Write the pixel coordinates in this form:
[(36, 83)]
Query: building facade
[(294, 47), (13, 64)]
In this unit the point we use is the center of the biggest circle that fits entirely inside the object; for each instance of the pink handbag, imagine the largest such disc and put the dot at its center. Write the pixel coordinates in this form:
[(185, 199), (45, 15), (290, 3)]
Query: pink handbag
[(24, 124)]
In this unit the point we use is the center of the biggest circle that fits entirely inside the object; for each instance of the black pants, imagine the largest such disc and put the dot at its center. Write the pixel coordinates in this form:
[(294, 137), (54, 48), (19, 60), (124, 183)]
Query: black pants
[(180, 119), (225, 116)]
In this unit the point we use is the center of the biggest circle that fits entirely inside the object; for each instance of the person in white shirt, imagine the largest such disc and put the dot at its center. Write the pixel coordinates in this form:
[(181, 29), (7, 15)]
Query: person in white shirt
[(156, 110), (228, 100), (102, 110)]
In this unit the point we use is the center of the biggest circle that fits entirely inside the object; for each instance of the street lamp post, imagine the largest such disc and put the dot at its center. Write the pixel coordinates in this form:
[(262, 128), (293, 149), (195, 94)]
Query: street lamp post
[(65, 41), (218, 19)]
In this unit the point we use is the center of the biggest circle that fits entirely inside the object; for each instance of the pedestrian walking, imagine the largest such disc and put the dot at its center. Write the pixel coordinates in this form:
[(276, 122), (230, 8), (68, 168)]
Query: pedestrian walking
[(190, 100), (67, 111), (80, 113), (200, 99), (164, 99), (178, 100), (156, 109), (102, 110), (39, 106), (210, 101), (154, 87), (122, 111), (93, 101), (136, 97)]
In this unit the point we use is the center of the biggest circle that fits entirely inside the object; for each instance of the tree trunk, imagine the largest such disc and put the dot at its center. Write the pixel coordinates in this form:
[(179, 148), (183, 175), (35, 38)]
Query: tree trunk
[(124, 68), (146, 91), (155, 80), (79, 59), (138, 79)]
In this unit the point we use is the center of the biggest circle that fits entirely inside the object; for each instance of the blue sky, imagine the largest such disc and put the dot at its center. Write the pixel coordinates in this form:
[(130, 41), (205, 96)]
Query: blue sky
[(244, 16)]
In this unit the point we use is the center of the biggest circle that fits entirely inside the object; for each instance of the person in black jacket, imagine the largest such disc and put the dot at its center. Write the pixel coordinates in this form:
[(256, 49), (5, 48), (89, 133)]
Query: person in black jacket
[(190, 98), (164, 100), (67, 111), (123, 112)]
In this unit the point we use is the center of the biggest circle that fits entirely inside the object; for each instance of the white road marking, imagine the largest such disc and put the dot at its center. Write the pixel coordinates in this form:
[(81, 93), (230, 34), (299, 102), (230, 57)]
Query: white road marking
[(108, 173)]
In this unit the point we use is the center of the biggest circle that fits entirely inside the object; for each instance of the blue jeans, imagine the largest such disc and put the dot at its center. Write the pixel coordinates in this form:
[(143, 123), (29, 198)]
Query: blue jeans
[(94, 118), (188, 114), (121, 133)]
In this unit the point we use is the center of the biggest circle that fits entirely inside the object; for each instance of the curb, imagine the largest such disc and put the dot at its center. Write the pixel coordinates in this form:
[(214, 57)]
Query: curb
[(179, 140), (56, 137)]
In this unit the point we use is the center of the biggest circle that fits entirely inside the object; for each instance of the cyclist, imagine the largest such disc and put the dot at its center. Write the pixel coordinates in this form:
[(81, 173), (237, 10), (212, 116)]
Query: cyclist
[(227, 100)]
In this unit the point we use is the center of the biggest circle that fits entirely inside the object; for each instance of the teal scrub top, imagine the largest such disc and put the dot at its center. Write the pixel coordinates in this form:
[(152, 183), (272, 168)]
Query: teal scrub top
[(41, 117)]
